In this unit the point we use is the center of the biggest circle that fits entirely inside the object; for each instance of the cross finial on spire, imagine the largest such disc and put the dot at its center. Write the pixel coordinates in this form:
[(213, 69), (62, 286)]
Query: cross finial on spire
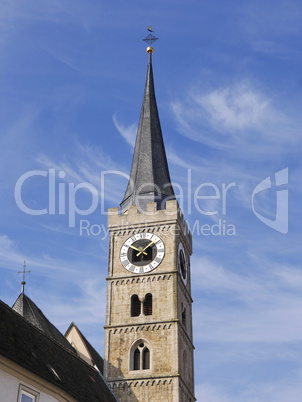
[(23, 272), (150, 38)]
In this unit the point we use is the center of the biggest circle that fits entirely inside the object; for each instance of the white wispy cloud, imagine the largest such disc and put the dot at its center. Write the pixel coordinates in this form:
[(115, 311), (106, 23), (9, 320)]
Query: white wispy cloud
[(86, 304), (274, 48), (290, 276), (182, 162), (56, 12), (257, 308), (240, 118), (127, 132), (16, 141), (12, 256), (87, 164), (79, 293)]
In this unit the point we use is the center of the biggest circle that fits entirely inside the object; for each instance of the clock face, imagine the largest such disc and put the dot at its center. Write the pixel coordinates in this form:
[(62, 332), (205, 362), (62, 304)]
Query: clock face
[(142, 253), (182, 263)]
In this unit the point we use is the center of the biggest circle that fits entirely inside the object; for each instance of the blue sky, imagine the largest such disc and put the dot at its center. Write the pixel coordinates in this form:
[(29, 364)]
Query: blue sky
[(228, 82)]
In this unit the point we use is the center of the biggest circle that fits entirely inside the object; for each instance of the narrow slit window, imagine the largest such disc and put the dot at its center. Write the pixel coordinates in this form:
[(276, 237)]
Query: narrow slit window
[(148, 304), (146, 359), (135, 306), (184, 318), (136, 359)]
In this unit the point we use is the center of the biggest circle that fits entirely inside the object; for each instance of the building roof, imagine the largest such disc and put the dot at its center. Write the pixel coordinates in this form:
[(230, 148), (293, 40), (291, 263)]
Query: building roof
[(33, 349), (149, 178), (96, 359), (27, 308)]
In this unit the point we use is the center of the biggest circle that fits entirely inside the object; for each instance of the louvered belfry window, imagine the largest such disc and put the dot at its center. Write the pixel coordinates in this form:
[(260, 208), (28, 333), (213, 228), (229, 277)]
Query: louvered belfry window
[(135, 306), (148, 304)]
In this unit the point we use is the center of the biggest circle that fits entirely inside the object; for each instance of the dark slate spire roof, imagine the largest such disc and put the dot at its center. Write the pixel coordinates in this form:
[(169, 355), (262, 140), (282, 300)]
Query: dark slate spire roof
[(149, 178), (27, 308)]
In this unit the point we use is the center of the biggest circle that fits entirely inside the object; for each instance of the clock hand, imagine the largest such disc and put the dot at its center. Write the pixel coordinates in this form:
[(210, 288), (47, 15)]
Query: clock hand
[(145, 248), (135, 248)]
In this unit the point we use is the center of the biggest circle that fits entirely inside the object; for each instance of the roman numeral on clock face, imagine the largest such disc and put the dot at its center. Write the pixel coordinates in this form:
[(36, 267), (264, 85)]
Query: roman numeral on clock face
[(142, 252)]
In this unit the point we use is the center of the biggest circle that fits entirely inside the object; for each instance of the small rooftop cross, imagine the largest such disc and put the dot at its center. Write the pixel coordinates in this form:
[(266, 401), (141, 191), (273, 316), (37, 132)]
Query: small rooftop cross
[(150, 39), (24, 272)]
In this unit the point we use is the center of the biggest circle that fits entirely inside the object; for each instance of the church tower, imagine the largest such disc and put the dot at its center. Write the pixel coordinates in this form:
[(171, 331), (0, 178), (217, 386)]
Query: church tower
[(148, 331)]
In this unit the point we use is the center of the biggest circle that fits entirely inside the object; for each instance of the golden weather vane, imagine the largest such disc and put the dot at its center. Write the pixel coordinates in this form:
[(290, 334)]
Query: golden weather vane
[(150, 38)]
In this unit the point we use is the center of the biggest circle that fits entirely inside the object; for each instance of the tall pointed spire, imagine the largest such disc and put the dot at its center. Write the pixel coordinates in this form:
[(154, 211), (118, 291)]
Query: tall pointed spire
[(149, 178)]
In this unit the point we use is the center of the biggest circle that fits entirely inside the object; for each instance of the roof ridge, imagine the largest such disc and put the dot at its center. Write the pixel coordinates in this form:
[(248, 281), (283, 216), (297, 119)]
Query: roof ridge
[(46, 350), (73, 353), (29, 303), (89, 346), (32, 313), (38, 329)]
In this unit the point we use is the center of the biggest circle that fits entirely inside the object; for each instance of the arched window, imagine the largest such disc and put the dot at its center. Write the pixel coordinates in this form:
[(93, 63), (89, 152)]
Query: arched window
[(136, 359), (146, 359), (148, 304), (140, 357), (135, 306)]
